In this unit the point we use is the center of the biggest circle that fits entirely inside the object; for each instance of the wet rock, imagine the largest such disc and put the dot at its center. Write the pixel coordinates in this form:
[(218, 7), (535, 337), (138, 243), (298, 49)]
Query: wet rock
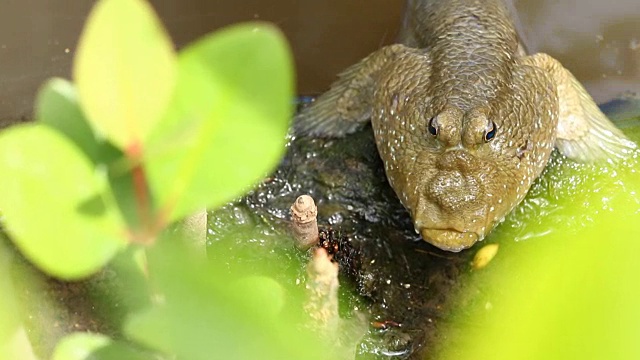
[(403, 278)]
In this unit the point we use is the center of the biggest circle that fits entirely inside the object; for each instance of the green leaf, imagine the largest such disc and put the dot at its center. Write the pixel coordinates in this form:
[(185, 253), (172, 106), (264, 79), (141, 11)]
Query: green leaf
[(8, 307), (56, 206), (57, 106), (268, 295), (204, 312), (124, 70), (571, 290), (79, 346), (87, 346), (227, 123)]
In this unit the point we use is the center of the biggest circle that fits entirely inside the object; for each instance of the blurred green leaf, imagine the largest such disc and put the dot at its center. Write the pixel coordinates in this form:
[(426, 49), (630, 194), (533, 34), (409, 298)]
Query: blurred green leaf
[(79, 346), (122, 185), (124, 70), (572, 292), (204, 314), (87, 346), (57, 106), (227, 123), (8, 310), (268, 295), (56, 206)]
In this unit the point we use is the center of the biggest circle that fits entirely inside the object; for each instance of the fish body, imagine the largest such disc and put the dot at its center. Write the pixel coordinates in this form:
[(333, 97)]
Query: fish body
[(464, 119)]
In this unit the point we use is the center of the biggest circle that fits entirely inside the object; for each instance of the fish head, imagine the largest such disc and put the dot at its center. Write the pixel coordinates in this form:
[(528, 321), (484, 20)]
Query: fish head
[(462, 196), (459, 169)]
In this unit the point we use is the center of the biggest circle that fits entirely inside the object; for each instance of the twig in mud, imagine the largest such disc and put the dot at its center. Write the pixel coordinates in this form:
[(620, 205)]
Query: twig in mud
[(322, 287), (322, 308), (322, 281), (304, 213)]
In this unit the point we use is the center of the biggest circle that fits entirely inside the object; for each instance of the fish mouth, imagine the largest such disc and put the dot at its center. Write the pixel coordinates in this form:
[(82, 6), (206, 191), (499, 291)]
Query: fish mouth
[(449, 239)]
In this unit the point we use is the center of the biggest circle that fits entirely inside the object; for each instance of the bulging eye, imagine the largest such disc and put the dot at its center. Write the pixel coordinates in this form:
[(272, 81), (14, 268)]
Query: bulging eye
[(491, 133), (433, 129)]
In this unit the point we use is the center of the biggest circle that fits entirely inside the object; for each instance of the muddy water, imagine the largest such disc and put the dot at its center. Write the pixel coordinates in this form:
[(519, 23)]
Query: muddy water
[(598, 40)]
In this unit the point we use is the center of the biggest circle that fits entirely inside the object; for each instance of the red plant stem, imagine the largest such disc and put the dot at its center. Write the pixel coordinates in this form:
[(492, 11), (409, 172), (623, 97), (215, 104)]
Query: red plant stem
[(140, 187), (142, 198)]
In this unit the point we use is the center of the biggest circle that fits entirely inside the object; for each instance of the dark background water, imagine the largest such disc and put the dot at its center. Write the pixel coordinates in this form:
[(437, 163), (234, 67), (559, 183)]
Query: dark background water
[(598, 40)]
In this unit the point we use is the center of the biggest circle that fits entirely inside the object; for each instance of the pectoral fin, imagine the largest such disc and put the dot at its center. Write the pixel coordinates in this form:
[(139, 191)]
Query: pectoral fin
[(584, 132), (347, 105)]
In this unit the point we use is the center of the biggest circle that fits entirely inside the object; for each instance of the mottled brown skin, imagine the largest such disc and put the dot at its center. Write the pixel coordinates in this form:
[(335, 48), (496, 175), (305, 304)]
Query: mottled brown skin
[(464, 121), (456, 185)]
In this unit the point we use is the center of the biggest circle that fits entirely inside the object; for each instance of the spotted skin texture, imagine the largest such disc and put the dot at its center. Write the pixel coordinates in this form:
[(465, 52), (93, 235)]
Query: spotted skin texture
[(464, 121), (455, 180)]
